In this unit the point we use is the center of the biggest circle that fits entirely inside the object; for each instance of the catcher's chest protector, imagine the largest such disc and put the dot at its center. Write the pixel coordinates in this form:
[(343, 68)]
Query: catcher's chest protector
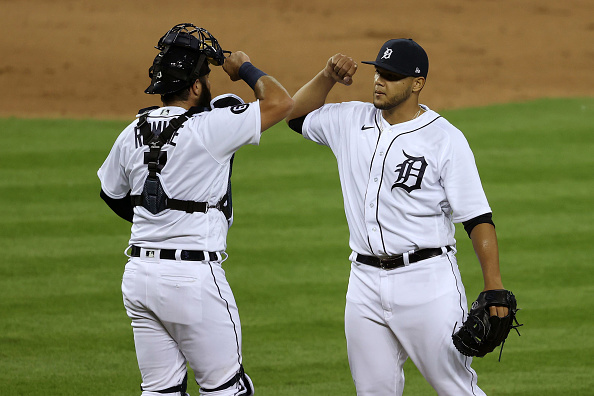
[(153, 197)]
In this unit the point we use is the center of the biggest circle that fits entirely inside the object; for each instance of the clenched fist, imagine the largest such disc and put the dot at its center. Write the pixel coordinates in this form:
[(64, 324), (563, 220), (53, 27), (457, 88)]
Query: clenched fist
[(233, 63), (341, 68)]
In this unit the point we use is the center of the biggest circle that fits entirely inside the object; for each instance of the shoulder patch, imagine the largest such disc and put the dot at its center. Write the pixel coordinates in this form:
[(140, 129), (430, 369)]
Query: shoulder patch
[(238, 109)]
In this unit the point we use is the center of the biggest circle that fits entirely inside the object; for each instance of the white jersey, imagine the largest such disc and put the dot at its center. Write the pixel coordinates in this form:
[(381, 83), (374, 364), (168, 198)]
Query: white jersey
[(197, 169), (403, 185)]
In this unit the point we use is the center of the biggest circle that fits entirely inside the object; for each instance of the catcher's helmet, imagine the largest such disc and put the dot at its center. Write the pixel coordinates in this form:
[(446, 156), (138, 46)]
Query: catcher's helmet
[(183, 50)]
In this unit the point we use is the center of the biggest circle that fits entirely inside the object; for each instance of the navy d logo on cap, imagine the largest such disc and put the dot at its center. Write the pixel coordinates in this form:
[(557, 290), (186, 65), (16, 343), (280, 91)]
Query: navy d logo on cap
[(402, 56)]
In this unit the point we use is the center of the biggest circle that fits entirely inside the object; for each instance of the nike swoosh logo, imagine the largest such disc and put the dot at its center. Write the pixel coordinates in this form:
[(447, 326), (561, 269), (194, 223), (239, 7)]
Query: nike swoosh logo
[(366, 127)]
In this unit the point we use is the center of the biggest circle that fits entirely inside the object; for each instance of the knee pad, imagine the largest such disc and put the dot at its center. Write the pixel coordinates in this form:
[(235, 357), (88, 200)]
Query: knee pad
[(240, 385), (181, 389), (247, 385)]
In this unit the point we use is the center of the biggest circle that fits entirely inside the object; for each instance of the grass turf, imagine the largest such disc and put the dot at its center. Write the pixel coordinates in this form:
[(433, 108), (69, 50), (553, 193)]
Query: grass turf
[(63, 329)]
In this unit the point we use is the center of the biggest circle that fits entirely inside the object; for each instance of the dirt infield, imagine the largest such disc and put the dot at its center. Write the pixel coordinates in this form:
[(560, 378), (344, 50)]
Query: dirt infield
[(67, 58)]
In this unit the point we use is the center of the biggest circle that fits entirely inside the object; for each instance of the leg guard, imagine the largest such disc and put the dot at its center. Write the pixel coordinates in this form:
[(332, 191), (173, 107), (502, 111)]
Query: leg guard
[(181, 388), (240, 385), (246, 385)]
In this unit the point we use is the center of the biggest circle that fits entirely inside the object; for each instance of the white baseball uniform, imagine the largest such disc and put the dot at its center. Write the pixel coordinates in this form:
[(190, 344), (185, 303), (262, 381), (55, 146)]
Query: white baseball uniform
[(182, 311), (404, 187)]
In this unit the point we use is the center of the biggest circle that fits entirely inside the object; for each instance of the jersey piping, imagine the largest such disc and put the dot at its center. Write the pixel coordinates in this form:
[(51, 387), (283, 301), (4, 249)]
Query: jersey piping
[(370, 169), (382, 178)]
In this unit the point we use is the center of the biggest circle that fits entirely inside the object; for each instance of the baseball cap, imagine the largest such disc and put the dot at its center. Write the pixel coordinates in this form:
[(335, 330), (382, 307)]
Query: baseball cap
[(402, 56)]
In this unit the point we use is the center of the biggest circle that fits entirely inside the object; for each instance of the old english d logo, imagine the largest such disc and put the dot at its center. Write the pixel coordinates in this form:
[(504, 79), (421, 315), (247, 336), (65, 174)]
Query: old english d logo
[(410, 173)]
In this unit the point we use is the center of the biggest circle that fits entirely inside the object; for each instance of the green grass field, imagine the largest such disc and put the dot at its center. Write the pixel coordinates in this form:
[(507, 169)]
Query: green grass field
[(64, 331)]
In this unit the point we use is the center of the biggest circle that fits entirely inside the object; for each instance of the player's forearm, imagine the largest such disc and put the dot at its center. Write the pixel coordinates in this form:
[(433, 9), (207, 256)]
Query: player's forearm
[(484, 242), (275, 101), (311, 96)]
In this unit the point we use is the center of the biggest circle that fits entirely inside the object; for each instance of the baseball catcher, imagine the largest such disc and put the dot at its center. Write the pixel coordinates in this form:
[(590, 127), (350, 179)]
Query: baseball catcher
[(168, 173), (481, 333)]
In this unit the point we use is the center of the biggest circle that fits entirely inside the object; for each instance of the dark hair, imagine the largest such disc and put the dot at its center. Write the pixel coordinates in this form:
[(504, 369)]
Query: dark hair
[(184, 94), (181, 95)]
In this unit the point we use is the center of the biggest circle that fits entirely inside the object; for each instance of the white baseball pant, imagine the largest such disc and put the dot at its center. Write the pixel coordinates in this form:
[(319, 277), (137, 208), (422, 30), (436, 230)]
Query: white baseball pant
[(182, 311), (407, 312)]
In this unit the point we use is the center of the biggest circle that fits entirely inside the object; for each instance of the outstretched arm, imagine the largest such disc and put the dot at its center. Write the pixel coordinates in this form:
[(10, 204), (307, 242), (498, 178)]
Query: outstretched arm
[(312, 96), (275, 101)]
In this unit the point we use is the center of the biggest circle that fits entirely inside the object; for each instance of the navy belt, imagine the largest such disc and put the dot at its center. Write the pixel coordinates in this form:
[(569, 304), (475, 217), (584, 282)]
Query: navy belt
[(186, 255), (392, 262)]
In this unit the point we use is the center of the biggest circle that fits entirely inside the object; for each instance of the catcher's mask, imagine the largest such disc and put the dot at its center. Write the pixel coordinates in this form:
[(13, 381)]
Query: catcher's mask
[(181, 60)]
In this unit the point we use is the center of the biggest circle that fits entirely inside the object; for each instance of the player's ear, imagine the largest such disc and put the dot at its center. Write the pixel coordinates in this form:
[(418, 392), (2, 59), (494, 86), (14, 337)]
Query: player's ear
[(418, 84), (196, 88)]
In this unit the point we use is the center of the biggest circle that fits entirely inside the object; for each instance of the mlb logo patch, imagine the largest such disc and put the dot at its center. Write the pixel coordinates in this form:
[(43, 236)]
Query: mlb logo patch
[(150, 253)]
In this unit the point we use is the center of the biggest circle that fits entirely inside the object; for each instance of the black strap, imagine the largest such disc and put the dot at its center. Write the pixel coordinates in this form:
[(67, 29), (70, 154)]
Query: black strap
[(186, 206), (178, 388), (186, 255), (155, 143), (398, 261), (150, 139), (226, 203), (195, 74), (227, 384)]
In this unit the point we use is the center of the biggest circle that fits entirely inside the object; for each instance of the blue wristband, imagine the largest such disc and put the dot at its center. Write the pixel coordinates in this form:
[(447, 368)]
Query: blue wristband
[(250, 74)]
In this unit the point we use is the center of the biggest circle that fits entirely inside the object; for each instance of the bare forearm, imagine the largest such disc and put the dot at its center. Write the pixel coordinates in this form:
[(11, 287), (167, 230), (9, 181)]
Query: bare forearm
[(484, 242), (340, 68), (312, 95), (275, 101)]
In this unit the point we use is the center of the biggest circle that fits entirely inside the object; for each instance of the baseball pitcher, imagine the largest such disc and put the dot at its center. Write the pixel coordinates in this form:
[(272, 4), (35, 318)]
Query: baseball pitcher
[(407, 176)]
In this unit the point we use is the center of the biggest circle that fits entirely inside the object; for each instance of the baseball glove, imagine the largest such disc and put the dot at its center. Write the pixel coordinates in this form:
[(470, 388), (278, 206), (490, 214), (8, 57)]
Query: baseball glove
[(481, 333)]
